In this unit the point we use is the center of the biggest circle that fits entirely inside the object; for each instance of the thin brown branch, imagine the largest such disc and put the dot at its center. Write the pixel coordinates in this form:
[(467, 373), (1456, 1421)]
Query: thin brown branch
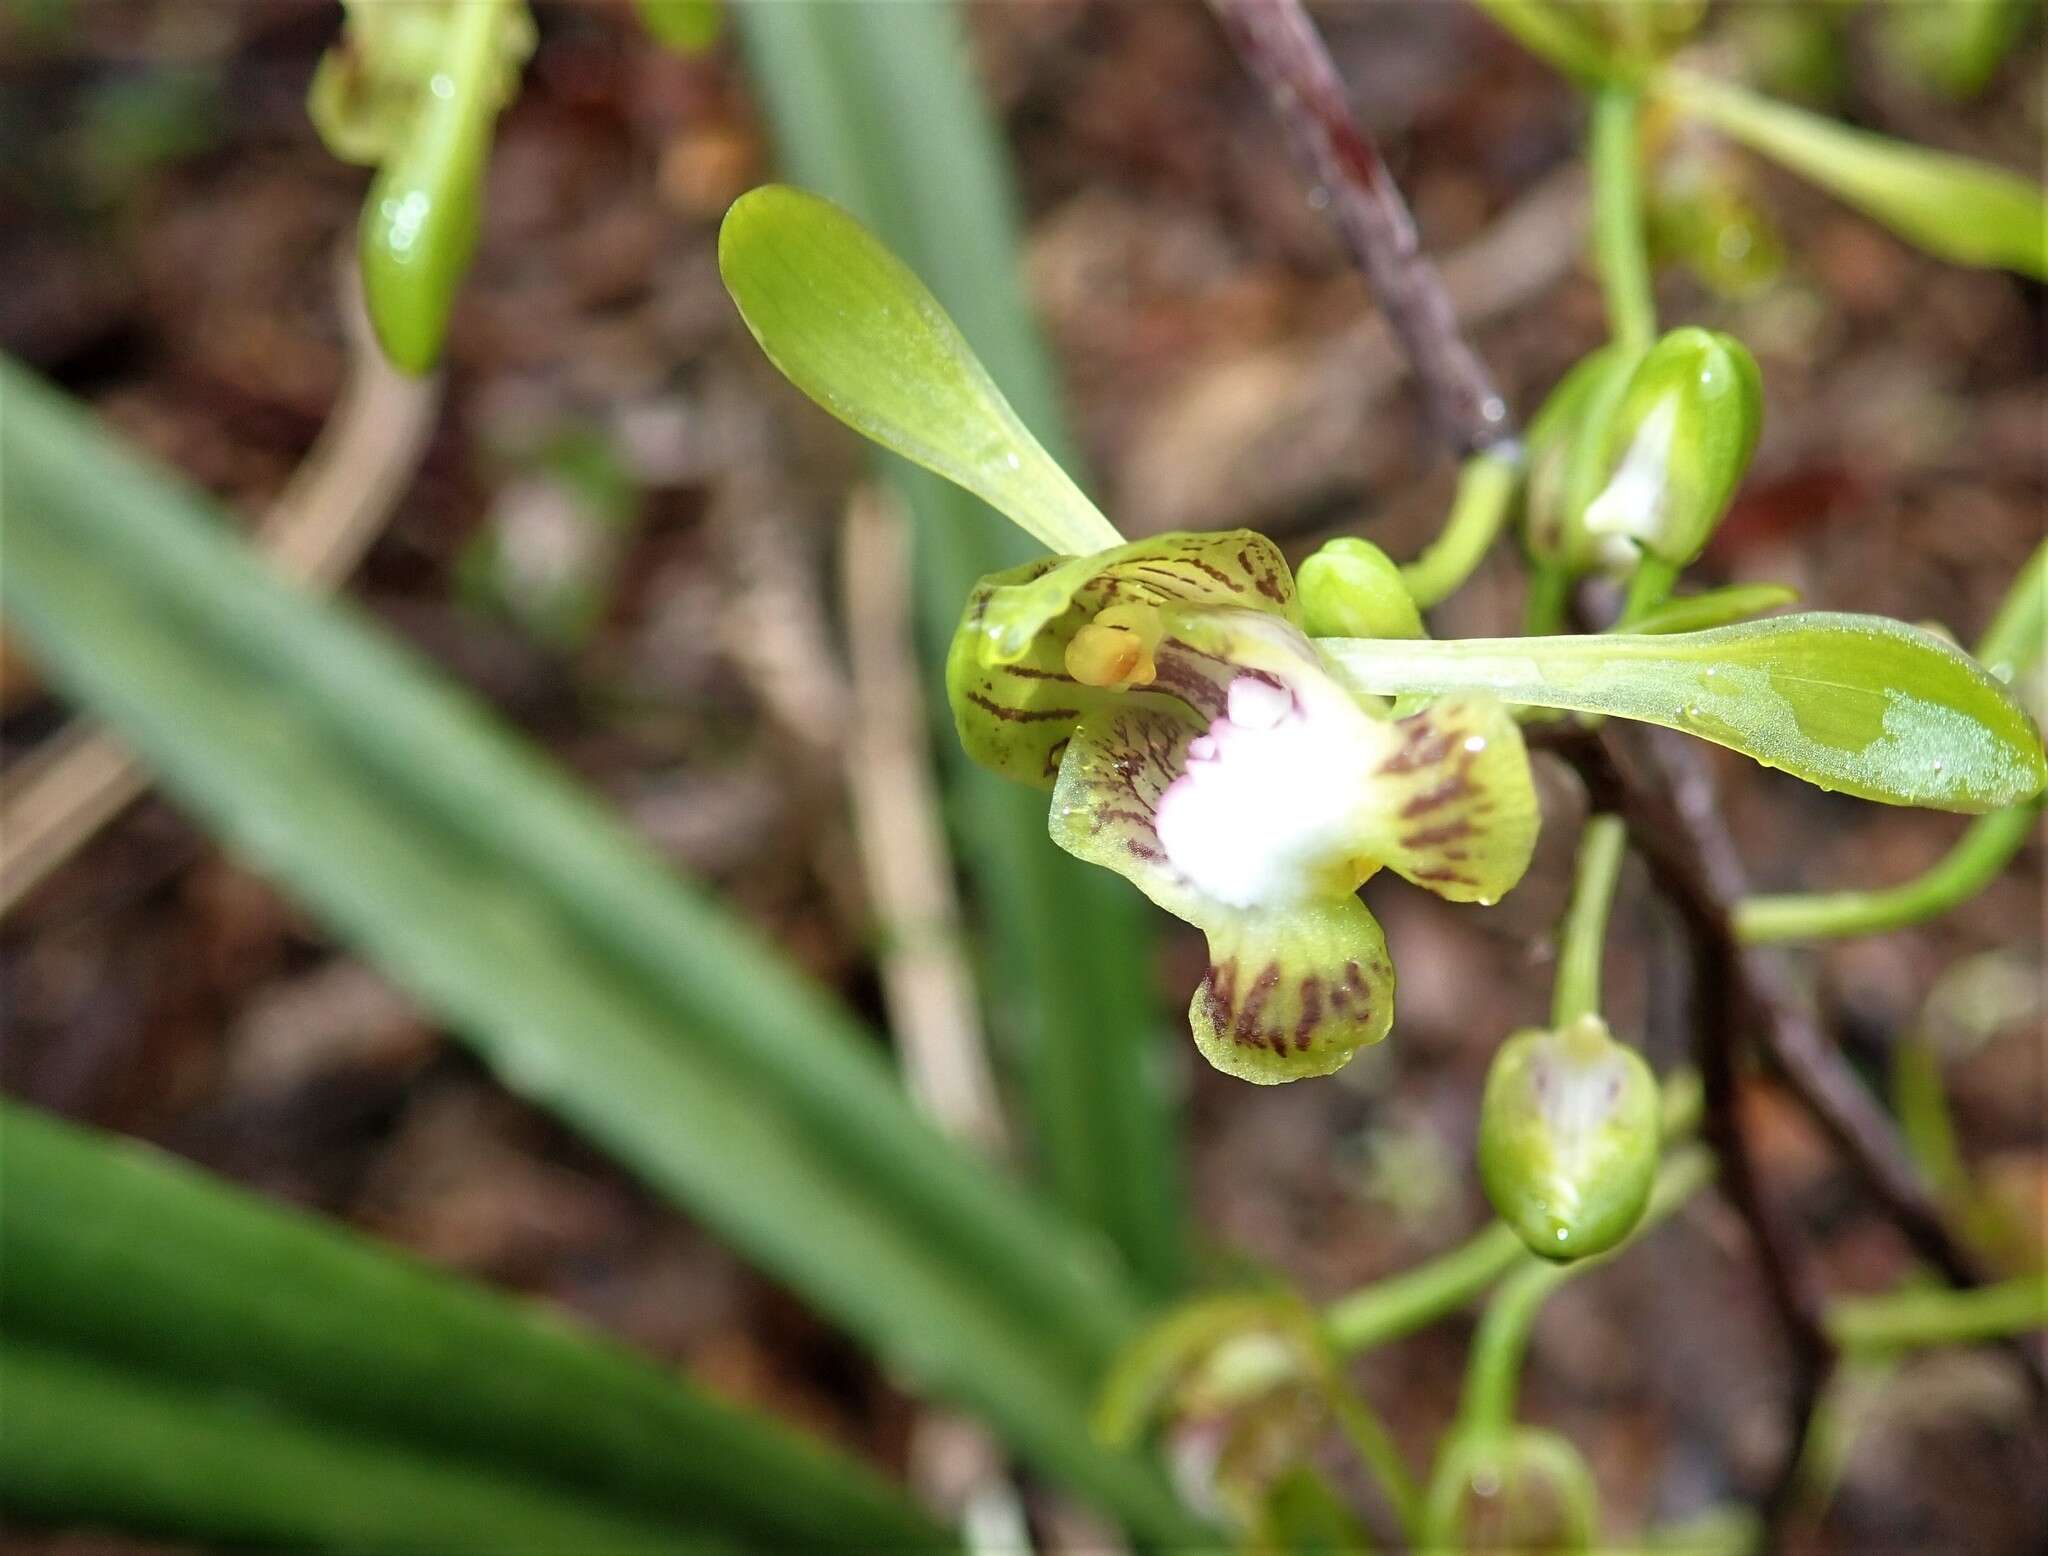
[(1281, 47)]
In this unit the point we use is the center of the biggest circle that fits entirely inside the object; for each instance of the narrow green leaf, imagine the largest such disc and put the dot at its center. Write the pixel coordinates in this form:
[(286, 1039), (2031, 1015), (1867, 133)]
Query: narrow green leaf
[(114, 1249), (591, 980), (877, 107), (1962, 210), (85, 1442), (849, 323), (1863, 704)]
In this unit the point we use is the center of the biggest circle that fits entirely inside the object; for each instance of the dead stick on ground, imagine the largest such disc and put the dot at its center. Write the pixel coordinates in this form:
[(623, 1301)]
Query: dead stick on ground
[(60, 796), (927, 985)]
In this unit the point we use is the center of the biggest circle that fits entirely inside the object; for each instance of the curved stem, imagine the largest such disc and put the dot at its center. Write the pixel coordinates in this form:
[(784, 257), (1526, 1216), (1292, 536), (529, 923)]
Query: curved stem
[(1618, 247), (1901, 1319), (1404, 1303), (1970, 866), (1576, 992), (1486, 484)]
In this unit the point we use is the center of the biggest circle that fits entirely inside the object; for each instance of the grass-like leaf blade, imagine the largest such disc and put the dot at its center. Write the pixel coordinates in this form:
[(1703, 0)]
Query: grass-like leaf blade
[(114, 1250), (589, 978), (90, 1443)]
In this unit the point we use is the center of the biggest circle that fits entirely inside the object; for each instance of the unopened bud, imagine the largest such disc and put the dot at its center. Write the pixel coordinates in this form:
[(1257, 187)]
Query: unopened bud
[(1677, 447), (1568, 1138), (1352, 589)]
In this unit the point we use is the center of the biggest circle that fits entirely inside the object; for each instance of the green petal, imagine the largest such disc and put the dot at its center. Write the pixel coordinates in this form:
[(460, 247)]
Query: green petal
[(1289, 992), (850, 325), (1457, 800), (1230, 568)]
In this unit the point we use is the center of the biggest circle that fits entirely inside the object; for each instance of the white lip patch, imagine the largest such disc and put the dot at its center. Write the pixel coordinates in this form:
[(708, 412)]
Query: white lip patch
[(1268, 800)]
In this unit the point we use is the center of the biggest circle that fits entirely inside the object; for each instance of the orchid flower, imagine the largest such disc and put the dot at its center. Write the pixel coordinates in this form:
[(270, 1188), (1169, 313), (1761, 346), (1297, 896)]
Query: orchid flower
[(1196, 743), (1248, 776)]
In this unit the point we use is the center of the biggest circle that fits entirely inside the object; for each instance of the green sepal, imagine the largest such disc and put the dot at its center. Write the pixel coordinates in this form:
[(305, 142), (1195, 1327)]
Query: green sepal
[(1862, 704), (850, 325), (1568, 1138), (1962, 210), (1520, 1490), (1676, 447), (1350, 588)]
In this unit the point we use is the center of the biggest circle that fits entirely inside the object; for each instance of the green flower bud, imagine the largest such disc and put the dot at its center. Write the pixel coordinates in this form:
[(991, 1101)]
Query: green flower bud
[(1515, 1492), (1677, 447), (1352, 589), (1565, 443), (420, 222), (1568, 1138)]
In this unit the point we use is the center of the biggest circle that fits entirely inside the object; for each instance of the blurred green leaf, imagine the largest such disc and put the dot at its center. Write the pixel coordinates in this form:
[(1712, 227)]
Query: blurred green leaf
[(590, 979), (89, 1443), (111, 1248), (1965, 211), (848, 323), (1863, 704), (876, 107)]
